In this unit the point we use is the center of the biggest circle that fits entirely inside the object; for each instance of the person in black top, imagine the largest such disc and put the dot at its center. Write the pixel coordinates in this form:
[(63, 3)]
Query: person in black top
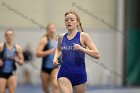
[(10, 54), (28, 57), (45, 50)]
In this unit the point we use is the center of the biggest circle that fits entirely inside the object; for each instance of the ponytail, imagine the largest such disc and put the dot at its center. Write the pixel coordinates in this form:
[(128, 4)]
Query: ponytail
[(46, 35), (81, 27)]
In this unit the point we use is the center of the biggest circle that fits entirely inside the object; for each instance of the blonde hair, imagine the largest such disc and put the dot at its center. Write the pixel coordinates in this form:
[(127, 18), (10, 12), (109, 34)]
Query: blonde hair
[(77, 17)]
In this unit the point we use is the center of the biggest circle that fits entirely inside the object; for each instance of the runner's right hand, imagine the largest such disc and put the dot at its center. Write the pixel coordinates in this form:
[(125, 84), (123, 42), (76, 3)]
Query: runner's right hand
[(52, 51)]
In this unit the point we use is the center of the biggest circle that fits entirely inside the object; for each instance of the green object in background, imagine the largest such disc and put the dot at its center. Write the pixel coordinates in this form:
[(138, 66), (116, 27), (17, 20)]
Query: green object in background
[(133, 43), (133, 57)]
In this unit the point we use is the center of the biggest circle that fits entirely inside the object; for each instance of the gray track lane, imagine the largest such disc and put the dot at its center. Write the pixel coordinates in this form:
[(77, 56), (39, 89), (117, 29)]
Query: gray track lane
[(37, 89)]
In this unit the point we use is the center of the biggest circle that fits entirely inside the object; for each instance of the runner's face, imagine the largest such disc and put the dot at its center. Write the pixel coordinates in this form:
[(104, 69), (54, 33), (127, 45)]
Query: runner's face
[(71, 21), (52, 30), (9, 36)]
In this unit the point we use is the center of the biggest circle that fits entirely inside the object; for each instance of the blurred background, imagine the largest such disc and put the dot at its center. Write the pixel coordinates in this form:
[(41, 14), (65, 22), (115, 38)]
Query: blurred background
[(114, 26)]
